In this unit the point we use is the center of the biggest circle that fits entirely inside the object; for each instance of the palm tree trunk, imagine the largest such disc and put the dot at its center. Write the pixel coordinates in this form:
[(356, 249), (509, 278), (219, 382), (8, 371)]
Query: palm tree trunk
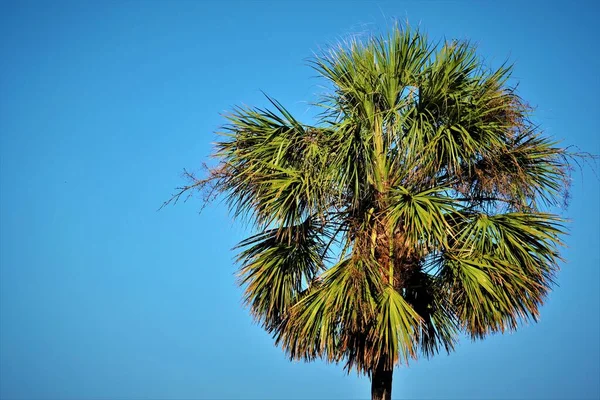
[(381, 384)]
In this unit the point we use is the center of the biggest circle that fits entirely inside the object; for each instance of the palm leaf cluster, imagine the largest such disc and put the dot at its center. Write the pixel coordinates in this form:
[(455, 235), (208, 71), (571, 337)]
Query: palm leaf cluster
[(414, 209)]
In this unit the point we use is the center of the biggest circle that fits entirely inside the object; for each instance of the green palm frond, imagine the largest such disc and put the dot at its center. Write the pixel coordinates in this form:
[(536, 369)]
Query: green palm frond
[(276, 266), (333, 315), (396, 330), (272, 166), (421, 216), (501, 268), (375, 76)]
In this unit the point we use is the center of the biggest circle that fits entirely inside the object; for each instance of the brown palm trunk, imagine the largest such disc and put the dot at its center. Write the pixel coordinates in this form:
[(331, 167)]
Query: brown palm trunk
[(381, 384)]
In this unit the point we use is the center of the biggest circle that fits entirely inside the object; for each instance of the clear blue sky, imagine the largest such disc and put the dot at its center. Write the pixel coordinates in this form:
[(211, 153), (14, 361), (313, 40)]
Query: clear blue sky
[(103, 103)]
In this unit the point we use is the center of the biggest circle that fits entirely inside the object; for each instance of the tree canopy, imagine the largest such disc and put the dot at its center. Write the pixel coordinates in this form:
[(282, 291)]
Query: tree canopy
[(414, 208)]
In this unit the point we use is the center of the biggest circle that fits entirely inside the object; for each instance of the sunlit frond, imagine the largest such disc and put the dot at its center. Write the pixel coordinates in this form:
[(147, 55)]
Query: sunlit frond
[(421, 216), (272, 166), (276, 266), (501, 268), (333, 315), (396, 330)]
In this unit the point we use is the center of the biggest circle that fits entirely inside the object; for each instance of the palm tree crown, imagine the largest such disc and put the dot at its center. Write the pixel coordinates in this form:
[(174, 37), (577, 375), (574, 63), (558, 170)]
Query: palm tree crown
[(411, 211)]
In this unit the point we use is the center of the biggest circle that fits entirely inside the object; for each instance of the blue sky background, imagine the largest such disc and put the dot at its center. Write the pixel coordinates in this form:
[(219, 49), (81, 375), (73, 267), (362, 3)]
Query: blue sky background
[(103, 103)]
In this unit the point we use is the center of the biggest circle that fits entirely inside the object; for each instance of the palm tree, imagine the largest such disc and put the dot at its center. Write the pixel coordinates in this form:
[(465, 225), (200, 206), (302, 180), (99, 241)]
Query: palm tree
[(410, 212)]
